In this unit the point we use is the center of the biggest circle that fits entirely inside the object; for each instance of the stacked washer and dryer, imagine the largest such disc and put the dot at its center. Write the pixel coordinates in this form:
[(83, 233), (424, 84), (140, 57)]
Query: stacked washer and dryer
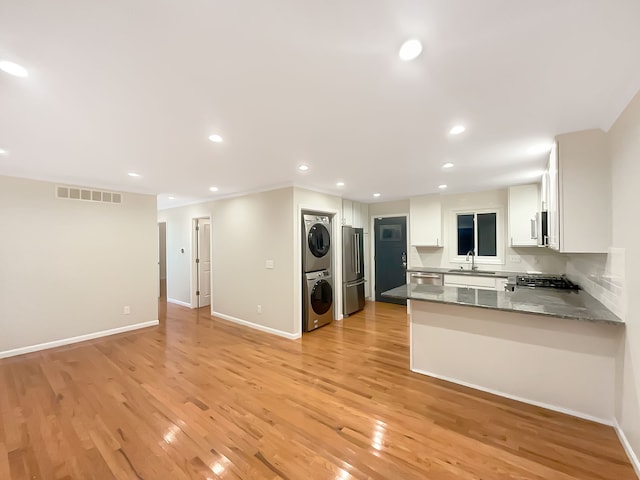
[(317, 283)]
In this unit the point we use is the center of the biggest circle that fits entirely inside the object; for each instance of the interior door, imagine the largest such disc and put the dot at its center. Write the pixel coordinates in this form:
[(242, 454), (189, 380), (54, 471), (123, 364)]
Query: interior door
[(203, 262), (390, 246)]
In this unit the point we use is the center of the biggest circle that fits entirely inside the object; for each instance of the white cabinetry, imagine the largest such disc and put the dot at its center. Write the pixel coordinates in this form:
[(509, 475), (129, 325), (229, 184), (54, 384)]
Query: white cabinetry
[(524, 202), (478, 282), (425, 221), (347, 212), (355, 214), (579, 190)]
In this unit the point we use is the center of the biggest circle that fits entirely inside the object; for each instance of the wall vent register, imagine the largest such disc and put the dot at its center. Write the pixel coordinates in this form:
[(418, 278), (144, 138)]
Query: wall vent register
[(87, 194)]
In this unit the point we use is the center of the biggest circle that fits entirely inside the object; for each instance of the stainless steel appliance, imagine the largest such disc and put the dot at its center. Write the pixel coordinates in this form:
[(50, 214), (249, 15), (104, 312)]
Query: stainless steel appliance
[(546, 281), (316, 243), (352, 270), (317, 307), (542, 223), (426, 278)]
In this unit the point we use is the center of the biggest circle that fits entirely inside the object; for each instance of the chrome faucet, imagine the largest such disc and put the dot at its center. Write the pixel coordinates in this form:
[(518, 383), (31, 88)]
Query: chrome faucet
[(473, 259)]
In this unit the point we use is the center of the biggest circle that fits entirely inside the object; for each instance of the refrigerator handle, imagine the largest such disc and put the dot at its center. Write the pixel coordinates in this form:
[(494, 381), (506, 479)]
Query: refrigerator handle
[(356, 249)]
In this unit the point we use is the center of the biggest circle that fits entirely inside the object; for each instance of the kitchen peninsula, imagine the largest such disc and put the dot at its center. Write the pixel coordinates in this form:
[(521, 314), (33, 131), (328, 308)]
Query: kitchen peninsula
[(556, 349)]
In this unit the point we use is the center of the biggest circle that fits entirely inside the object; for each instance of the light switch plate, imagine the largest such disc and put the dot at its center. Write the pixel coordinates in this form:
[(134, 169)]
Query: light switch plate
[(515, 258), (268, 264)]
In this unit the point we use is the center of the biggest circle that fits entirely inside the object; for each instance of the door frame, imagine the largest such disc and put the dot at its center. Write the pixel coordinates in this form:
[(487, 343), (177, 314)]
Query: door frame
[(166, 263), (192, 264), (372, 229)]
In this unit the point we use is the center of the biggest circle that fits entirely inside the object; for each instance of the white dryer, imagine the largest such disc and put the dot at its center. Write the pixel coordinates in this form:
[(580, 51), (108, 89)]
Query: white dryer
[(316, 243), (317, 302)]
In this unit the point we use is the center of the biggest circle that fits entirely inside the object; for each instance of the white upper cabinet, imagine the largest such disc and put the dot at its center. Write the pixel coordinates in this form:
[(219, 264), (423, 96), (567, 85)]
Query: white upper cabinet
[(425, 221), (579, 192), (355, 214), (524, 204), (347, 212)]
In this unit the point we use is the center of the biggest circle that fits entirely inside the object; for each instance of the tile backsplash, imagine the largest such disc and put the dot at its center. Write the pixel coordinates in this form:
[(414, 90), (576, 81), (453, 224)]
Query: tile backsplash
[(601, 275)]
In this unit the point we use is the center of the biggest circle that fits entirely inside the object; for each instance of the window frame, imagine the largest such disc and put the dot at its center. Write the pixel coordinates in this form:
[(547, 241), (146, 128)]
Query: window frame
[(500, 238)]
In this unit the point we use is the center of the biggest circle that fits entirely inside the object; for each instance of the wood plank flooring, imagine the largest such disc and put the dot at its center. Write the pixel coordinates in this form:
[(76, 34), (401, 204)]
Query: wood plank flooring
[(201, 398)]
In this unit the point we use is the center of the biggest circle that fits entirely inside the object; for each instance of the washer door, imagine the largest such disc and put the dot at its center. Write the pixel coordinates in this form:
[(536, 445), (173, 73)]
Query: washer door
[(321, 297), (319, 240)]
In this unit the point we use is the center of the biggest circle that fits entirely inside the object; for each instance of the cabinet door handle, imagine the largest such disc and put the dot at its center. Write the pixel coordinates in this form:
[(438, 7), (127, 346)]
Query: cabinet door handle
[(534, 229)]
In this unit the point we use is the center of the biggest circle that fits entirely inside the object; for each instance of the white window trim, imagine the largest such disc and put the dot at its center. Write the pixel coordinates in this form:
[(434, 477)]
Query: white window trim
[(499, 259)]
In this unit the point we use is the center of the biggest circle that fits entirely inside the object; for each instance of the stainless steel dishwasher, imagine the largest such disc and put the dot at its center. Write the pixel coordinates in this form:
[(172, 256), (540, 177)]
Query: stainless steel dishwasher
[(426, 278)]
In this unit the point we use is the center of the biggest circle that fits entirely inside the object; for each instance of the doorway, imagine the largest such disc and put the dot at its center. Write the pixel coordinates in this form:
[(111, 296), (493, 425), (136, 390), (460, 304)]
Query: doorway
[(162, 259), (202, 261), (390, 250)]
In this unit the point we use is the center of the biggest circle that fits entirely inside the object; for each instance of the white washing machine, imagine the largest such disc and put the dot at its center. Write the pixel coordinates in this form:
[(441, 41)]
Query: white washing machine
[(317, 302)]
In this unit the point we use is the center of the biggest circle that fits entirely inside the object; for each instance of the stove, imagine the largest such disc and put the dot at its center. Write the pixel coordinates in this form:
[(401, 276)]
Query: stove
[(546, 281)]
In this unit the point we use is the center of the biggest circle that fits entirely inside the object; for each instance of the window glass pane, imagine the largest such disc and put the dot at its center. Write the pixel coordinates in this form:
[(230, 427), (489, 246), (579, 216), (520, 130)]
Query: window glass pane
[(487, 246), (465, 234), (390, 233)]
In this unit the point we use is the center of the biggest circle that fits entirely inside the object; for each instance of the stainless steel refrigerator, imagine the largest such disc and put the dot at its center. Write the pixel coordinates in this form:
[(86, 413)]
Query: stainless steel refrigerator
[(352, 270)]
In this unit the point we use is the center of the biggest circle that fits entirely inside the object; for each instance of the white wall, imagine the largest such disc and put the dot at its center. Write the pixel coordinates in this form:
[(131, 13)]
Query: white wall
[(399, 207), (245, 232), (69, 267), (531, 259), (624, 140)]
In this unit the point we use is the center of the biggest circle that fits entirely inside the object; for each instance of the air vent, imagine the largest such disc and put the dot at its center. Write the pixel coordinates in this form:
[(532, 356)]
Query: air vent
[(87, 194)]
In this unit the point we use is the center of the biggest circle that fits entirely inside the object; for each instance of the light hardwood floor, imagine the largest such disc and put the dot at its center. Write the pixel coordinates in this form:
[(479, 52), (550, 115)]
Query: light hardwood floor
[(199, 397)]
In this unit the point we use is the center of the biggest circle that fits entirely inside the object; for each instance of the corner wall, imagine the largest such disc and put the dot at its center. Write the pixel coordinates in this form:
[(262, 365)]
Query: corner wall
[(624, 138), (68, 267), (245, 232)]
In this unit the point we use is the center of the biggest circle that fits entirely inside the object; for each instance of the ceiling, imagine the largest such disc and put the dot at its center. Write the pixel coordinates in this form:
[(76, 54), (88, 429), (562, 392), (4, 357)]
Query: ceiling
[(138, 86)]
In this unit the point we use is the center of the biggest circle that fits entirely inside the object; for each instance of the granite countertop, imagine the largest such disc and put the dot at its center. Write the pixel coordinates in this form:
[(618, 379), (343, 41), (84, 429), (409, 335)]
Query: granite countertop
[(570, 304)]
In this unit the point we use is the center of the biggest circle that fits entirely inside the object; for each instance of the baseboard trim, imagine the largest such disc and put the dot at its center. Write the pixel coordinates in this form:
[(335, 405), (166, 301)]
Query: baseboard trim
[(633, 458), (255, 326), (80, 338), (178, 302), (548, 406)]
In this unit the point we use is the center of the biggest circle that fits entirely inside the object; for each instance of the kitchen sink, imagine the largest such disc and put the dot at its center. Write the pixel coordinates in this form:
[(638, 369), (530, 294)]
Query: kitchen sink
[(471, 272)]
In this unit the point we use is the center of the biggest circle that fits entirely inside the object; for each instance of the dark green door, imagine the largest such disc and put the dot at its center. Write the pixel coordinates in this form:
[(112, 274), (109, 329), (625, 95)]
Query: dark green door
[(390, 255)]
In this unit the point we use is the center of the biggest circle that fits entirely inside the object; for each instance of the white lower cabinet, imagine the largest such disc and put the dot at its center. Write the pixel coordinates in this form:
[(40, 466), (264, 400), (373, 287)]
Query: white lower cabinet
[(472, 281)]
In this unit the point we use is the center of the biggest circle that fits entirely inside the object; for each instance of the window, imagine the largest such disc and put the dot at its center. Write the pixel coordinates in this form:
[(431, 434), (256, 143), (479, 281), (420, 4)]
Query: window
[(479, 231)]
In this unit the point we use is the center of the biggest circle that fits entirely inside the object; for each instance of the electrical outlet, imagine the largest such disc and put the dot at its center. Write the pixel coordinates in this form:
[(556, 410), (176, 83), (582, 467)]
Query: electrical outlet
[(515, 258), (126, 310), (268, 264), (259, 308)]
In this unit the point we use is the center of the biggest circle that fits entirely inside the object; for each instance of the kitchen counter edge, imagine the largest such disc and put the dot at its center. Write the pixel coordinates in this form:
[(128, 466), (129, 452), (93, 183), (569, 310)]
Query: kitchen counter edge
[(433, 294)]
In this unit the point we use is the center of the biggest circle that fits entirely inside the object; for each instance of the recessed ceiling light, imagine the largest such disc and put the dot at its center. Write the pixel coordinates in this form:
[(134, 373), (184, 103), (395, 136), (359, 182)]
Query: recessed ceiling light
[(376, 194), (13, 69), (133, 174), (410, 50), (442, 187), (340, 184), (457, 130), (540, 148), (171, 198), (447, 165), (214, 189), (303, 168), (215, 138), (3, 152)]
